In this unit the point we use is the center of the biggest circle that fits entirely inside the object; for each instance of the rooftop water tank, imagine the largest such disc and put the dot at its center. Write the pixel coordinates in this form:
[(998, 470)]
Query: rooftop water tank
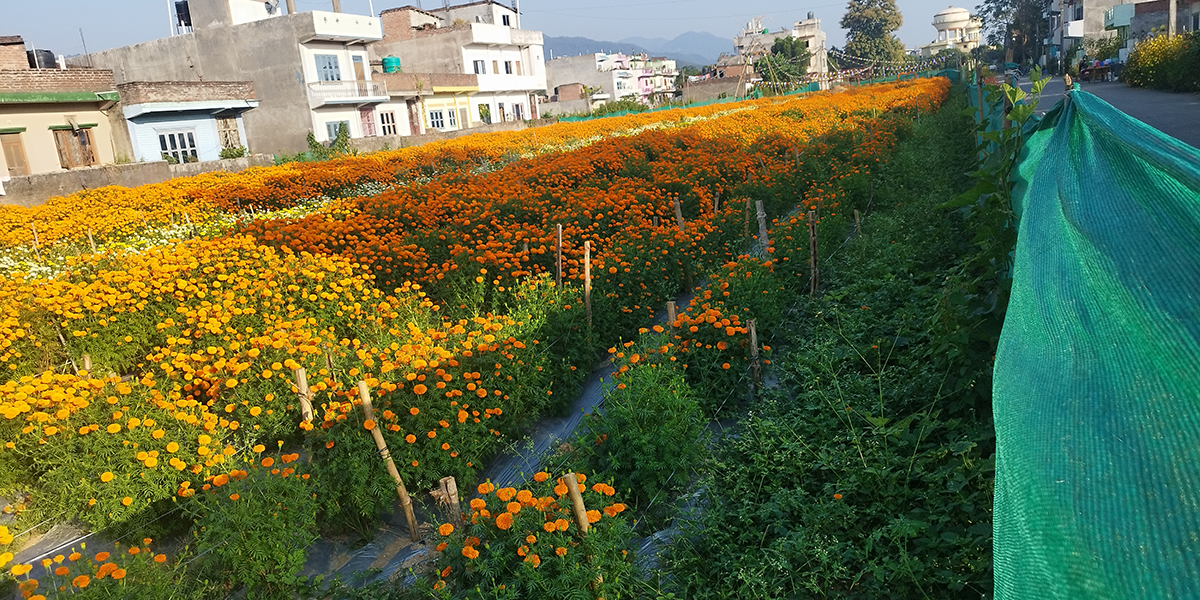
[(41, 59), (391, 64)]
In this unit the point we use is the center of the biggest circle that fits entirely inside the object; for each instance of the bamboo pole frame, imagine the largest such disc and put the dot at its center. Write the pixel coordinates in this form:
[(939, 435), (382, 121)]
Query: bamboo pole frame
[(812, 252), (587, 279), (679, 216), (755, 364), (91, 241), (449, 494), (304, 393), (857, 223), (558, 258), (37, 253), (364, 393), (672, 313), (763, 240), (577, 506)]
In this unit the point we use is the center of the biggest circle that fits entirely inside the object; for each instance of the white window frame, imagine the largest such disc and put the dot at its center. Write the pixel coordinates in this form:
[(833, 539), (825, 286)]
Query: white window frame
[(331, 70), (437, 119), (387, 123), (480, 67), (331, 132), (505, 20), (181, 144), (453, 118)]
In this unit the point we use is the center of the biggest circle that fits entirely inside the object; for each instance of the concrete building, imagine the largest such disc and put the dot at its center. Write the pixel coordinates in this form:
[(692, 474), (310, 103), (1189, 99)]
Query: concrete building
[(1144, 18), (956, 29), (755, 41), (53, 120), (480, 39), (188, 121), (309, 70), (616, 76), (1069, 23)]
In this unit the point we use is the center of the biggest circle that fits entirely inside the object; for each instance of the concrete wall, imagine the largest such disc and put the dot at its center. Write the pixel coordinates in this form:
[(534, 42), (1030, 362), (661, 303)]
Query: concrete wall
[(712, 89), (265, 52), (374, 144), (41, 151), (36, 189), (582, 69), (567, 107)]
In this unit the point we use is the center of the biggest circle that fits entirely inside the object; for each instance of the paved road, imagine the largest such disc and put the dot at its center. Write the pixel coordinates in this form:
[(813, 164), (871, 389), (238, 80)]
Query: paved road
[(1177, 115)]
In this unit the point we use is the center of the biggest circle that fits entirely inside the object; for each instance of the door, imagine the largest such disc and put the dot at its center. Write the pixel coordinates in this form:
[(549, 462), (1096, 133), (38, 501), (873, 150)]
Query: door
[(463, 123), (414, 118), (227, 132), (360, 73), (75, 148), (14, 154), (367, 116)]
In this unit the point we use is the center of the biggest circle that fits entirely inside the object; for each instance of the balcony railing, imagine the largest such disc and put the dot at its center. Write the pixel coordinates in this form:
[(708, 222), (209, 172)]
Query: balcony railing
[(346, 92)]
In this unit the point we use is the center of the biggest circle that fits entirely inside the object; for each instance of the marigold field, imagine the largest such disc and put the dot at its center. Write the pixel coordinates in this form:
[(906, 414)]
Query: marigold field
[(427, 273)]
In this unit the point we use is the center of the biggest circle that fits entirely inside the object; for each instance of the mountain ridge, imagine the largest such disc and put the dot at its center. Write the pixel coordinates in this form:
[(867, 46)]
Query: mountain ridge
[(690, 48)]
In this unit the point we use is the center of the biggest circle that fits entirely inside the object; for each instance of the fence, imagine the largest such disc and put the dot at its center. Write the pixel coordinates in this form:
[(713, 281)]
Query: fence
[(1097, 385)]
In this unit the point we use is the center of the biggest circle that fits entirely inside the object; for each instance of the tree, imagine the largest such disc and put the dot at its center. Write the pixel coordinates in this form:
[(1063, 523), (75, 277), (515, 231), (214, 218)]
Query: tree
[(870, 25), (787, 62), (1015, 24)]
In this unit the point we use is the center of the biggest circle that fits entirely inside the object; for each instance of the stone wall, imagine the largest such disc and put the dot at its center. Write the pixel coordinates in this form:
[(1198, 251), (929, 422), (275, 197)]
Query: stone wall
[(36, 189), (56, 80), (140, 92), (374, 144)]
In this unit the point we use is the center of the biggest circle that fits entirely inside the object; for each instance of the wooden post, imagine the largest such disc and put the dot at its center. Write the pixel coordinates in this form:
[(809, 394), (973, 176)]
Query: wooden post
[(672, 314), (87, 365), (755, 366), (329, 362), (36, 251), (717, 204), (304, 393), (143, 216), (525, 250), (91, 242), (812, 252), (587, 279), (558, 259), (577, 502), (857, 223), (189, 224), (405, 501), (749, 205), (679, 216), (763, 240), (656, 221), (449, 491)]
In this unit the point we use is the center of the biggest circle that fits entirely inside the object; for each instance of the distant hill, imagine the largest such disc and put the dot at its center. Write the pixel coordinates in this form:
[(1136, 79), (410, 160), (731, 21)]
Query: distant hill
[(681, 48)]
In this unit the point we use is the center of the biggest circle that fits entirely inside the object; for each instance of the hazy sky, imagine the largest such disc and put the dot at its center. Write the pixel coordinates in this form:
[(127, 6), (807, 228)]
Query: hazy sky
[(108, 24)]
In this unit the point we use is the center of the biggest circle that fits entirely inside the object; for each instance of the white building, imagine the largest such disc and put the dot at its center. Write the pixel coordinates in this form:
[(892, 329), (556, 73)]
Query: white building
[(755, 41), (956, 28), (482, 39), (638, 77), (309, 70)]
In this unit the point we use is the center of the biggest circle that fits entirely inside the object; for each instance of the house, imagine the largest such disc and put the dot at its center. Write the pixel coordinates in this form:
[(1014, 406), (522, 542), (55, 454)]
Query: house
[(309, 70), (480, 39), (956, 29), (1069, 23), (53, 120), (1149, 16), (425, 102), (755, 42), (185, 121), (637, 77)]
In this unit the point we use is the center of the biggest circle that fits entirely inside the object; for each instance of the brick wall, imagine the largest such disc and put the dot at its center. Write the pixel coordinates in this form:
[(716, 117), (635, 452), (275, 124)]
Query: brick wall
[(12, 56), (55, 80), (407, 82), (398, 23), (570, 91), (139, 92)]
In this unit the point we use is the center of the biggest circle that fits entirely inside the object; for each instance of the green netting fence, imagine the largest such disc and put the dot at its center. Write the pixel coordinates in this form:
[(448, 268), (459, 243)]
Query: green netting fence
[(1097, 375)]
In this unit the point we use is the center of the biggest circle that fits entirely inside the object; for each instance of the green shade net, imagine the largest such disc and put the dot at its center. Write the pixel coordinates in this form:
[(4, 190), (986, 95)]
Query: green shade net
[(1097, 376)]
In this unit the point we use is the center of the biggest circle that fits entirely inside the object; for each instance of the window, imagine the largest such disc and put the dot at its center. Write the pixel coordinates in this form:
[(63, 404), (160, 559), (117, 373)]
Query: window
[(504, 19), (480, 67), (179, 146), (1196, 22), (451, 119), (327, 68), (360, 71), (387, 120), (227, 132), (518, 112), (14, 154), (332, 127), (495, 66), (437, 119), (518, 67), (508, 70)]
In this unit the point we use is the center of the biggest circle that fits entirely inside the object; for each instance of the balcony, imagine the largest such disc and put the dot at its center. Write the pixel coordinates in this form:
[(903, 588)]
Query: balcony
[(335, 93), (338, 27), (1073, 29), (1118, 16)]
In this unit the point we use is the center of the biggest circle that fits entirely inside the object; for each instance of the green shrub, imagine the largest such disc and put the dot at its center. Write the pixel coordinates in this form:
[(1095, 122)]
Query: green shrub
[(1165, 63), (234, 152)]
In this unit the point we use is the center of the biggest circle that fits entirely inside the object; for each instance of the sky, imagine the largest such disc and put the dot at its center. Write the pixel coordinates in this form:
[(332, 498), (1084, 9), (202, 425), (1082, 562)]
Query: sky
[(56, 24)]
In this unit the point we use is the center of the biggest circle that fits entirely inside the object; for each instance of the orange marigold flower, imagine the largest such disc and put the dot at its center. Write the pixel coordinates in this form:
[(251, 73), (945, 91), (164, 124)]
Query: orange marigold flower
[(118, 574), (442, 547), (126, 500), (562, 524), (410, 438), (369, 424), (134, 550), (414, 411), (81, 581), (549, 526), (541, 476), (445, 572), (470, 552), (593, 516), (235, 497), (837, 496), (74, 556), (106, 476), (506, 494), (560, 551), (513, 507), (504, 520), (446, 529), (419, 389), (268, 461), (103, 556), (486, 488), (61, 571), (530, 539), (161, 558)]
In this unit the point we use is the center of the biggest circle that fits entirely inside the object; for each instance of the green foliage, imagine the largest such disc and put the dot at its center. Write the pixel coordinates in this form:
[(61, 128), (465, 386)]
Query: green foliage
[(787, 62), (317, 152), (255, 528), (650, 436), (234, 152), (623, 105), (171, 160), (1014, 24), (862, 475), (130, 572), (870, 26), (485, 114), (526, 544)]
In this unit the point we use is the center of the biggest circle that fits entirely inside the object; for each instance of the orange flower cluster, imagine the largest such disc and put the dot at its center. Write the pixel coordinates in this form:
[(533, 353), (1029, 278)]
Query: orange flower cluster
[(70, 573)]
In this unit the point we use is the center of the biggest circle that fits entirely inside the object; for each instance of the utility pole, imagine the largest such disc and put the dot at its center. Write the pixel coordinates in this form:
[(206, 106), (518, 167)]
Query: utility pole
[(1170, 19)]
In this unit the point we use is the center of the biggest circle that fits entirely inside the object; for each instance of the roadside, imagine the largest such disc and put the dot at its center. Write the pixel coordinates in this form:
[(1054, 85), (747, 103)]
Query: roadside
[(1175, 114)]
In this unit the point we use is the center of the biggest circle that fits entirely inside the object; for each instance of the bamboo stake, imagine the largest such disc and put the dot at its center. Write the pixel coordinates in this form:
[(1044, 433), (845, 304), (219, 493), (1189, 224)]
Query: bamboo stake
[(189, 224), (36, 251), (577, 502), (405, 501), (87, 365), (449, 491), (587, 279), (91, 242), (717, 203), (679, 216), (304, 393), (857, 223), (812, 252), (755, 365), (656, 221), (763, 240), (143, 216), (525, 250), (749, 207), (558, 260), (672, 314)]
